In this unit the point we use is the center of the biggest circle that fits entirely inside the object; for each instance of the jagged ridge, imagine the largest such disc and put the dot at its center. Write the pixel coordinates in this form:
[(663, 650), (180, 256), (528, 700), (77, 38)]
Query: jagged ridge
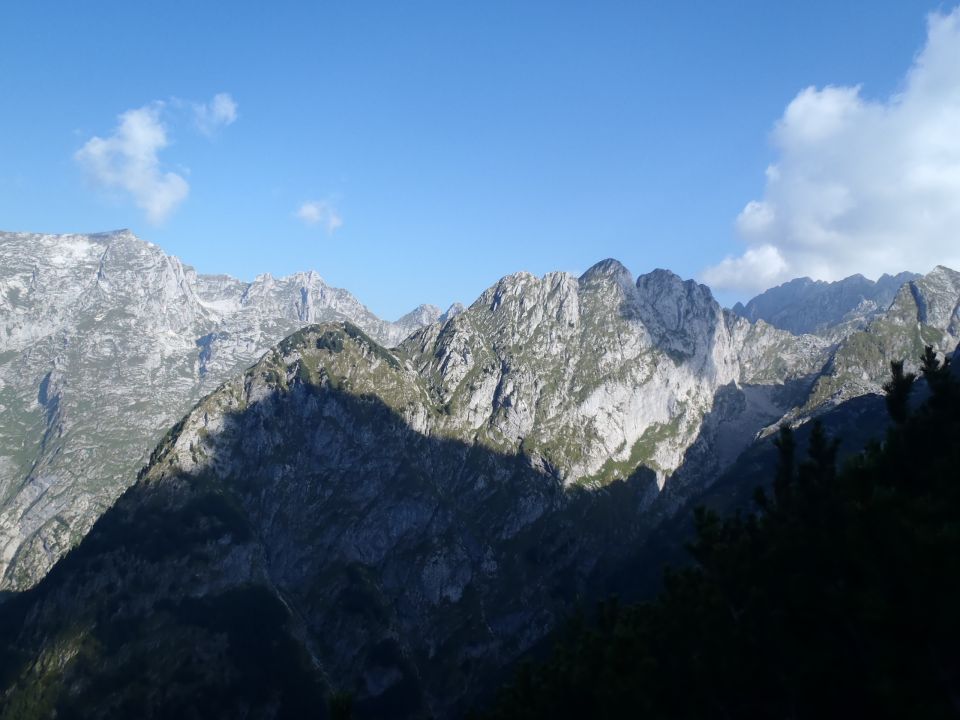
[(104, 342)]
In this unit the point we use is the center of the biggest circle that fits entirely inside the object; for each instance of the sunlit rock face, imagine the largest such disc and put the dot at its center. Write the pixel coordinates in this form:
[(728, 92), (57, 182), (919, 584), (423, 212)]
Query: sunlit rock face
[(105, 341), (596, 375)]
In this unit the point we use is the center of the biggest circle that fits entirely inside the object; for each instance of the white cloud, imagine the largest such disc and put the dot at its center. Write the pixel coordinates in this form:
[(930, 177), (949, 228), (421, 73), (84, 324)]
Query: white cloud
[(860, 185), (219, 112), (128, 160), (764, 265), (320, 212)]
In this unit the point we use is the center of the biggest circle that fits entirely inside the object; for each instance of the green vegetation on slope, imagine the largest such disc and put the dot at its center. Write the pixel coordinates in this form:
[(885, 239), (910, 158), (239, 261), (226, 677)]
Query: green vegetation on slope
[(838, 597)]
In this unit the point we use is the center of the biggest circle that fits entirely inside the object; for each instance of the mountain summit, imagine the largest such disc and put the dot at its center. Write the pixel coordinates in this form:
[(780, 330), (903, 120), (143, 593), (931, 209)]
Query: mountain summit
[(104, 342), (815, 306)]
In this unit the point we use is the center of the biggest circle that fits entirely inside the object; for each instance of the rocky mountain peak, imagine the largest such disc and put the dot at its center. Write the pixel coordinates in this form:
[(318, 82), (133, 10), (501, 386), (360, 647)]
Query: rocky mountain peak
[(608, 269), (308, 278), (832, 309), (942, 271), (121, 339), (681, 315), (935, 295), (660, 282), (452, 311), (422, 315), (925, 311)]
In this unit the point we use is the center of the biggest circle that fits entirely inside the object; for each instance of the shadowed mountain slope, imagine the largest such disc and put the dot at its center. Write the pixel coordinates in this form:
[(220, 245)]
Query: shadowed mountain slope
[(365, 555), (105, 341)]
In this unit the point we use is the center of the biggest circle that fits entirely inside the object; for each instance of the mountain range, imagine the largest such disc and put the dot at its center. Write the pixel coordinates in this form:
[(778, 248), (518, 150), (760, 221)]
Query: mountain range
[(105, 341), (402, 510), (827, 308)]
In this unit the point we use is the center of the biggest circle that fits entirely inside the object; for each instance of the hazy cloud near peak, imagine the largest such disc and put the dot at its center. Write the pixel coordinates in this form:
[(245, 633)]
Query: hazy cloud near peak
[(128, 159), (860, 185), (219, 112), (320, 212)]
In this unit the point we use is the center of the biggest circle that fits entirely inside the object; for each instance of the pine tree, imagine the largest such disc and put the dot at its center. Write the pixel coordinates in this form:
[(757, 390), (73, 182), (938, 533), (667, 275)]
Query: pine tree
[(340, 706), (786, 446), (821, 465), (898, 391), (935, 372)]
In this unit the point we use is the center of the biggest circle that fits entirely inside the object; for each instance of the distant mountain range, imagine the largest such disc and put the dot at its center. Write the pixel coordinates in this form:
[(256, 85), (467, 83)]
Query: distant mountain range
[(814, 306), (398, 511)]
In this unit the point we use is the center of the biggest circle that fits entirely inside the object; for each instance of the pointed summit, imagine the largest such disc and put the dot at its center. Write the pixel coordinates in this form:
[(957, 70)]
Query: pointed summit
[(421, 315), (659, 281), (609, 268), (942, 273), (452, 312), (681, 315)]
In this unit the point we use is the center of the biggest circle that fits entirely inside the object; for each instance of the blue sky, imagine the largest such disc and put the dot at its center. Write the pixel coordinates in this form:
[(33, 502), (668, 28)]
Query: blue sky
[(438, 146)]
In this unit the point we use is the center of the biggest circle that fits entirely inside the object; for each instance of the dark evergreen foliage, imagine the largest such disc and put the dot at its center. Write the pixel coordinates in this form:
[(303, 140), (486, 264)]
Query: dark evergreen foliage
[(898, 389), (838, 597), (340, 706)]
